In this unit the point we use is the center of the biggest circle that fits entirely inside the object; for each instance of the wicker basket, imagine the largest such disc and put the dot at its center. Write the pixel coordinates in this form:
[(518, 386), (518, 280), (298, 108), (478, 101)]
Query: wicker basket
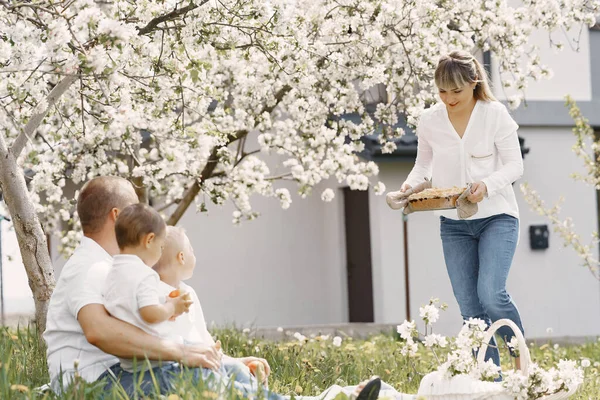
[(463, 387)]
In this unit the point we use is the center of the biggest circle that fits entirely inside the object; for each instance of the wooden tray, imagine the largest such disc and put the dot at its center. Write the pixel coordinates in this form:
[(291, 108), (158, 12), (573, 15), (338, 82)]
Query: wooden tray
[(417, 203)]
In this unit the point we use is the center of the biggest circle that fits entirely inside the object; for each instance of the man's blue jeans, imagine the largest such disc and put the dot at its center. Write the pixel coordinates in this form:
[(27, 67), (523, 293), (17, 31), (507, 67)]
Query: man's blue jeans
[(478, 256), (238, 371), (164, 378)]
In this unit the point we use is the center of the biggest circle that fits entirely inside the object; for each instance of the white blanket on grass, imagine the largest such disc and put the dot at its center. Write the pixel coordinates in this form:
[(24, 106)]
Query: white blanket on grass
[(387, 392)]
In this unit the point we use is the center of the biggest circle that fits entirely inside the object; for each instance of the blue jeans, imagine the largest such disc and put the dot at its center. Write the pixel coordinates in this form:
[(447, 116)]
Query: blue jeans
[(478, 256), (237, 371), (166, 377)]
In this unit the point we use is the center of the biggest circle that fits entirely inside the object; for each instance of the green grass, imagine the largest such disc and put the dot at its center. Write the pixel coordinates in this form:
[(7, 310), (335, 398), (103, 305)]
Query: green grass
[(305, 369)]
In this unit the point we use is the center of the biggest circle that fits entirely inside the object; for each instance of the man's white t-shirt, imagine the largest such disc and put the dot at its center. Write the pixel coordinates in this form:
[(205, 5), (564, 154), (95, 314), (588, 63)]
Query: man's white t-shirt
[(189, 327), (79, 284), (129, 286)]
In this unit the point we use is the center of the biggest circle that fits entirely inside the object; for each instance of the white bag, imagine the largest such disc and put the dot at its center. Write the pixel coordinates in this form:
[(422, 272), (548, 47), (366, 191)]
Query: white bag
[(460, 387)]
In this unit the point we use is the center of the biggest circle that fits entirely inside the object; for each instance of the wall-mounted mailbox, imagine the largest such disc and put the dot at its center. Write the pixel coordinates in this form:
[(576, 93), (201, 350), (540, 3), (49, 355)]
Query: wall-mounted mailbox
[(538, 237)]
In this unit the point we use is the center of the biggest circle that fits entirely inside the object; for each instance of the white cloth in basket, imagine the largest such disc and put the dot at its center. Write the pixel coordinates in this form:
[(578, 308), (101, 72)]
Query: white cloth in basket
[(434, 386), (387, 392)]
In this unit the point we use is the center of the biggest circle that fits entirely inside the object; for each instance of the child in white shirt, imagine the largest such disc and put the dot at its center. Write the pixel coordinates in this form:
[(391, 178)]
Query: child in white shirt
[(132, 288), (177, 264)]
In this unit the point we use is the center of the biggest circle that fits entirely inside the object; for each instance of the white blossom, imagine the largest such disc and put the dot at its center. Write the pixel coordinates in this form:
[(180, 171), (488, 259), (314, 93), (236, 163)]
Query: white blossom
[(569, 373), (300, 337), (516, 383), (337, 341), (429, 313), (358, 182), (327, 195), (379, 188), (407, 329), (585, 363), (486, 371), (388, 148), (514, 101), (284, 197), (513, 344), (435, 340)]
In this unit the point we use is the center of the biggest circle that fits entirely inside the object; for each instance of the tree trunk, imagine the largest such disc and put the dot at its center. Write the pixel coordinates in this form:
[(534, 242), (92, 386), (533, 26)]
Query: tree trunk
[(30, 235)]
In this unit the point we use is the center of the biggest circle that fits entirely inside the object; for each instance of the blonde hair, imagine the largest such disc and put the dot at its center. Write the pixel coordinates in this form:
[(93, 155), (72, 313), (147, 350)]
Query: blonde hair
[(459, 69), (174, 243)]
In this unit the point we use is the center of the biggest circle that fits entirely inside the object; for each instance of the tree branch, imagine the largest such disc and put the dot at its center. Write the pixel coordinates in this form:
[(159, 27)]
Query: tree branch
[(212, 162), (193, 191), (153, 24), (140, 189), (37, 118)]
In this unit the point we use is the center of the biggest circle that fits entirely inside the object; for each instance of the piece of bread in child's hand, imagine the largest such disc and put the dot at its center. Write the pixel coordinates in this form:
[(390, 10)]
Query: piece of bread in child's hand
[(257, 367), (176, 293)]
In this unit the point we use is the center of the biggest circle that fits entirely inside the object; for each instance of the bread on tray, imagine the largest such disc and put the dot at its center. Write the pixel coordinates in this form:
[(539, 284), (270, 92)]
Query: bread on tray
[(435, 199)]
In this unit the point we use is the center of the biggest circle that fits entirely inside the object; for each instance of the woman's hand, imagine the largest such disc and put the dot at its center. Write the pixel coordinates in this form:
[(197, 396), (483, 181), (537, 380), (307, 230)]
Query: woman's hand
[(478, 192), (394, 199), (405, 187)]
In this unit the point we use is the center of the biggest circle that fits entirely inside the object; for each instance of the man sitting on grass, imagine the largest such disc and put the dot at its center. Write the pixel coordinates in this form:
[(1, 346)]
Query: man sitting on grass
[(81, 336)]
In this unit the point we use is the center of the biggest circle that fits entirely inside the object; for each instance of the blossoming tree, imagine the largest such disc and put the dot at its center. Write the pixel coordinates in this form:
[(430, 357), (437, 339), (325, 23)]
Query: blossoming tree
[(185, 98)]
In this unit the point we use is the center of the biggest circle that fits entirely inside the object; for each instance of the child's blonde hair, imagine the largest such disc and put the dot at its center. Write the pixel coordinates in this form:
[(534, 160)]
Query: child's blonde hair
[(460, 68), (174, 243)]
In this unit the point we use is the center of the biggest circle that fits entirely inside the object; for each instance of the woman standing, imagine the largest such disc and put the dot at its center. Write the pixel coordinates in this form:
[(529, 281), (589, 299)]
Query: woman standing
[(471, 138)]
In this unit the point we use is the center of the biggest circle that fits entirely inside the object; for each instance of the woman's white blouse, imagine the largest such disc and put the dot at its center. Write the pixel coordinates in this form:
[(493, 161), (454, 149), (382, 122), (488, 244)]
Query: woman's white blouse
[(489, 151)]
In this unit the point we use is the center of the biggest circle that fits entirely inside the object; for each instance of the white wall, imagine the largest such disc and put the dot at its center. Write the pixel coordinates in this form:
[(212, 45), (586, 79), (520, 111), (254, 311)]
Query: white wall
[(285, 268), (571, 67), (549, 286), (17, 294)]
